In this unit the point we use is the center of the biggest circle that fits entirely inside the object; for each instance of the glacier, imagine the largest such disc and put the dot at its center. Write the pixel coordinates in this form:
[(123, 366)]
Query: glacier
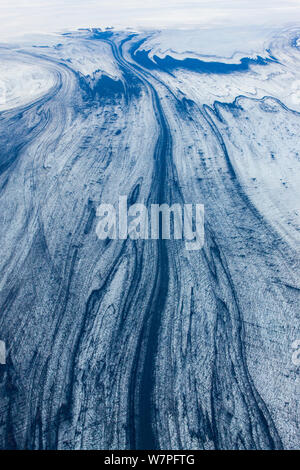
[(122, 344)]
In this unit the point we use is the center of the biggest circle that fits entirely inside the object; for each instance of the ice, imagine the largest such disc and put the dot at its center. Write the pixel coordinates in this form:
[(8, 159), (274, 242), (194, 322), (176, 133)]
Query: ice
[(122, 344)]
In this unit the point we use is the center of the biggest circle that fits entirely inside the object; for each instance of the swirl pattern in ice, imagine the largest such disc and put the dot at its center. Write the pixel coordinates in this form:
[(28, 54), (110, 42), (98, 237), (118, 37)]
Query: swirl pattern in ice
[(124, 344)]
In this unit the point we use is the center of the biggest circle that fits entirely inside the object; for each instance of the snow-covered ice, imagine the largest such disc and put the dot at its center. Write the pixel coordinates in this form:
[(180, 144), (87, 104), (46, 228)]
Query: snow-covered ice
[(121, 344)]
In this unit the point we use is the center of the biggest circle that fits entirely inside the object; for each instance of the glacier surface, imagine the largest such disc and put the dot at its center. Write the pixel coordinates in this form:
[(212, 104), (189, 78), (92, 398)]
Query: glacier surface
[(122, 344)]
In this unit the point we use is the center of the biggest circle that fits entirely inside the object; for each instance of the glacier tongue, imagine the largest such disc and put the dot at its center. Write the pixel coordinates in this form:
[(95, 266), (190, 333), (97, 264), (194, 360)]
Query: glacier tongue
[(122, 344)]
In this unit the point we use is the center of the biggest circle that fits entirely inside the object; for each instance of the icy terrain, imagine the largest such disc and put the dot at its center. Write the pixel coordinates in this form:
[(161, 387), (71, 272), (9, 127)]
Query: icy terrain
[(123, 344)]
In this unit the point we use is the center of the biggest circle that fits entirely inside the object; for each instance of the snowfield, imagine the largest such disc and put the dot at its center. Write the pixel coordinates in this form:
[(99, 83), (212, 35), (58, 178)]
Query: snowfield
[(122, 344)]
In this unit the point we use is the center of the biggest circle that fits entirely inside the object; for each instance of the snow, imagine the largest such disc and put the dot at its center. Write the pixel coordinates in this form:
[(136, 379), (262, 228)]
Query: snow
[(117, 344)]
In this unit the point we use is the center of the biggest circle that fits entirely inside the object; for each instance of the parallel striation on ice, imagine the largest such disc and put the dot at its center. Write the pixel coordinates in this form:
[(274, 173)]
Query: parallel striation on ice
[(122, 344)]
